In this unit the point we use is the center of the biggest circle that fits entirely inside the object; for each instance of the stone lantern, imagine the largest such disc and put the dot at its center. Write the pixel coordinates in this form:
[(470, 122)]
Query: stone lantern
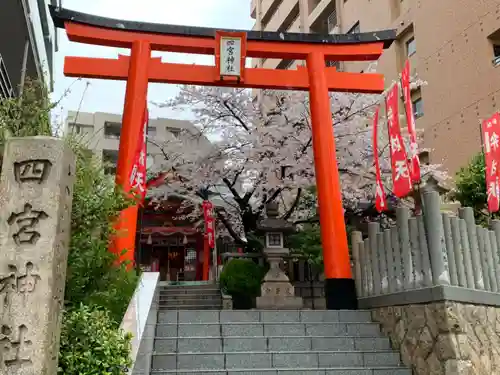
[(276, 291)]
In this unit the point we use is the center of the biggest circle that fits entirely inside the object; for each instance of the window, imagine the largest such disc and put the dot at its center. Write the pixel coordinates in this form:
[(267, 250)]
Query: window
[(418, 107), (356, 29), (411, 47), (112, 129), (496, 54)]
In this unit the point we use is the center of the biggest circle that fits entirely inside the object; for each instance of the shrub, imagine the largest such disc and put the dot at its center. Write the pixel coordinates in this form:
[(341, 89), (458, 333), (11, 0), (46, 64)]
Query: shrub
[(470, 188), (241, 279), (91, 345), (93, 277)]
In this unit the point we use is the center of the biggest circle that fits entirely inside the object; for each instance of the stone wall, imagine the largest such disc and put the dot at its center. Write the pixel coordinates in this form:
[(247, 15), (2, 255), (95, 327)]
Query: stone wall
[(446, 338)]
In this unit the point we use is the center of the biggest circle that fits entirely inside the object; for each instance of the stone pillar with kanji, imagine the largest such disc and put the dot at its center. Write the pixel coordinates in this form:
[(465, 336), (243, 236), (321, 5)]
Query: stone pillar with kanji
[(36, 190), (276, 290)]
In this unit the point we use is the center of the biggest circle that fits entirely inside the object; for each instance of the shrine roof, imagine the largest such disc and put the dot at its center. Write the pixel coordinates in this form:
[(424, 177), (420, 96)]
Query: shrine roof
[(62, 15)]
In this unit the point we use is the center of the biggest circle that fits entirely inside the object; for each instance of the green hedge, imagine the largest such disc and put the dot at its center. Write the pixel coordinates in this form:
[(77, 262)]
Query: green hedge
[(91, 344)]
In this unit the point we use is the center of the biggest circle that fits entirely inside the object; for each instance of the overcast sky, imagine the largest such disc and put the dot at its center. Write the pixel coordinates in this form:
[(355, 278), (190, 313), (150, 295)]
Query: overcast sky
[(108, 96)]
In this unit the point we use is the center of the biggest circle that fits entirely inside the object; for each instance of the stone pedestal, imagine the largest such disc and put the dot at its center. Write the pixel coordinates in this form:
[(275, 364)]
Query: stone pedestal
[(276, 291), (36, 190)]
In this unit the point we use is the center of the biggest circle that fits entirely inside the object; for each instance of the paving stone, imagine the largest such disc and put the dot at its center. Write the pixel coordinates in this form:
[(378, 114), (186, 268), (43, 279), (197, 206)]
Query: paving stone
[(343, 359), (245, 344), (289, 343), (295, 360), (200, 361), (355, 316), (248, 360), (280, 316), (235, 316), (199, 344), (198, 330), (248, 330), (290, 329), (198, 316), (333, 343), (319, 316)]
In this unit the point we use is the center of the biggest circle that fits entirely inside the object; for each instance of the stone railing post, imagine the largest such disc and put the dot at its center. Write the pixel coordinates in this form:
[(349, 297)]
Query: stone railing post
[(398, 266), (402, 216), (458, 250), (390, 261), (416, 253), (469, 272), (373, 230), (467, 214), (426, 262), (382, 256), (491, 268), (36, 190), (367, 257), (494, 250), (450, 250), (435, 238), (356, 240)]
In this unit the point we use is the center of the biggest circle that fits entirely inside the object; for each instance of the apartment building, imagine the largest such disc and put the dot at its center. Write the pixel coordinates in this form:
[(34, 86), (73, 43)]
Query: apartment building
[(101, 132), (27, 43), (453, 45)]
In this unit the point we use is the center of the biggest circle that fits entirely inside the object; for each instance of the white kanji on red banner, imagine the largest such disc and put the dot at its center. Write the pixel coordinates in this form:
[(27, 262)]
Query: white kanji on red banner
[(138, 173), (491, 139), (410, 119), (209, 223), (399, 163), (380, 198)]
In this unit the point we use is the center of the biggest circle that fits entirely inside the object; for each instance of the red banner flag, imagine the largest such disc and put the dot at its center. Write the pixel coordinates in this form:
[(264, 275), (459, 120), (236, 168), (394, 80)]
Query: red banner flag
[(209, 223), (410, 120), (380, 198), (138, 173), (399, 163), (491, 139)]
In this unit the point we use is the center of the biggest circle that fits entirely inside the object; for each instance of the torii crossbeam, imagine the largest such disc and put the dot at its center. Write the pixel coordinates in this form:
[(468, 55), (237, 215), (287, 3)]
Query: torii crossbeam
[(231, 48)]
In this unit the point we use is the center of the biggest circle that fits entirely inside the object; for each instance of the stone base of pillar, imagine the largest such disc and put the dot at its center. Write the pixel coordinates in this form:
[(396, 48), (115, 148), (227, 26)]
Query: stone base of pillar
[(340, 294), (277, 293)]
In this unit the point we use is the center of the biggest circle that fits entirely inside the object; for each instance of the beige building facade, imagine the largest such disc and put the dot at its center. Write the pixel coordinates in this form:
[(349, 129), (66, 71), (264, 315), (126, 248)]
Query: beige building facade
[(453, 45), (101, 133)]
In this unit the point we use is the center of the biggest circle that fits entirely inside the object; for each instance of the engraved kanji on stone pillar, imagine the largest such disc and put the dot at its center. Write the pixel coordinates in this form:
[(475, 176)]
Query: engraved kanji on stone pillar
[(36, 190)]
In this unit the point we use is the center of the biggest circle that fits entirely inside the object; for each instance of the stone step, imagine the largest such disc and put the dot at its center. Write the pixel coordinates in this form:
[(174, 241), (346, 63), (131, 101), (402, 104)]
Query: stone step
[(190, 301), (267, 329), (256, 316), (198, 306), (208, 293), (270, 343), (267, 360), (303, 371)]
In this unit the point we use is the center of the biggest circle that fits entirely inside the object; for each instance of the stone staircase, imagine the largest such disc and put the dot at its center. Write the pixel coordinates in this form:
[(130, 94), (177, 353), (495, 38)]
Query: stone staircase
[(267, 342), (189, 297)]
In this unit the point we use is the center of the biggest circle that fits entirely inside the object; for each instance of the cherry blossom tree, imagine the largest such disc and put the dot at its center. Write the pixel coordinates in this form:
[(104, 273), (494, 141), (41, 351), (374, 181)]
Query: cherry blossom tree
[(261, 150)]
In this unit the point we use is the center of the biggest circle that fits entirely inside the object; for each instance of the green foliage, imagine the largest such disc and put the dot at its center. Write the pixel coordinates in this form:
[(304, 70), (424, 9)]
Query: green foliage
[(307, 243), (470, 189), (28, 115), (93, 276), (242, 277), (91, 345)]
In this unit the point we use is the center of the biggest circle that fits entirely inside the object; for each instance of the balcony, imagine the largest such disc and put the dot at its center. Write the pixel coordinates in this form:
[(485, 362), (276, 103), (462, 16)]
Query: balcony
[(21, 22), (324, 12), (6, 89)]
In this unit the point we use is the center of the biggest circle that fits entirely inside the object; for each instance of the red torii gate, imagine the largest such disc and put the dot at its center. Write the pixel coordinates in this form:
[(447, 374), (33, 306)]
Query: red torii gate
[(140, 68)]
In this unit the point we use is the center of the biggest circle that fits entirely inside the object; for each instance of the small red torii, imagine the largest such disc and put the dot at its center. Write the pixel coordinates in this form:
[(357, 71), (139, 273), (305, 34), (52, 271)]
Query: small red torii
[(140, 68)]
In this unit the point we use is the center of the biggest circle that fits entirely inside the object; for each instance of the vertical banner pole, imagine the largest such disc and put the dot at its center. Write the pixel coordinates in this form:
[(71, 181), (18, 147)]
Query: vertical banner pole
[(123, 242), (340, 290)]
